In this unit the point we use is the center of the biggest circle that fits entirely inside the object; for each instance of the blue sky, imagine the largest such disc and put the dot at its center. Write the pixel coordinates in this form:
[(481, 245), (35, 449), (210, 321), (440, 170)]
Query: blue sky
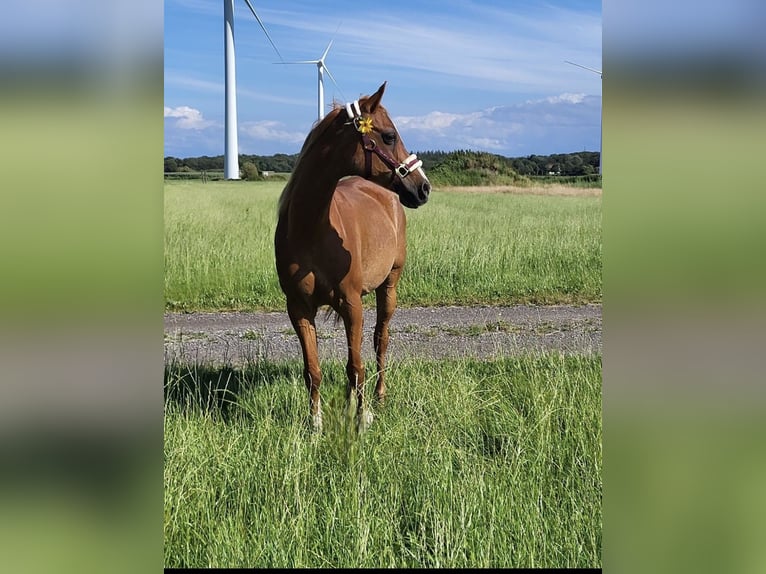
[(488, 75)]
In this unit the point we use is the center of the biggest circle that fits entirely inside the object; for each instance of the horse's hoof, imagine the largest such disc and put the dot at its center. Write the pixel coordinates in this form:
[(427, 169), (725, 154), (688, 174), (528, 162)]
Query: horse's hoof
[(316, 422), (363, 420)]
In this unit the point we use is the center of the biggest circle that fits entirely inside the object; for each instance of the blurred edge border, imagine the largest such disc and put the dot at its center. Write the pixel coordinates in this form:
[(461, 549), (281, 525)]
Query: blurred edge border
[(683, 303)]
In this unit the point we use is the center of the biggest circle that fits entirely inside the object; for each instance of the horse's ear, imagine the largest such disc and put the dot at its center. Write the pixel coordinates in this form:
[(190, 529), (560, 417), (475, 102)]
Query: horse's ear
[(372, 103)]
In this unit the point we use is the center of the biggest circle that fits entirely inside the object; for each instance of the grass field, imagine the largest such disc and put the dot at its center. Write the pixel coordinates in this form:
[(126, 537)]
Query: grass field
[(469, 464), (463, 248)]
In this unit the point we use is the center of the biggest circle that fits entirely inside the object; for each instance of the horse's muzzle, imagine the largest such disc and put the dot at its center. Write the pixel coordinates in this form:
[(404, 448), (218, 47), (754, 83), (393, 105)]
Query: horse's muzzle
[(424, 191), (412, 194)]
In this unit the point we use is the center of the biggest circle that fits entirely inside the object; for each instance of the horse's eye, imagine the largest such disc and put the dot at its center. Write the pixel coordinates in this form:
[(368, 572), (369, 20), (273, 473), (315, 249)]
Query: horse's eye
[(389, 137)]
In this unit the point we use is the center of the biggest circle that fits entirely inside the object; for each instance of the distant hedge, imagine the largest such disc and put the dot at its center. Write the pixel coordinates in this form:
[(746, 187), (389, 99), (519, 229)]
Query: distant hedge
[(475, 168), (458, 168)]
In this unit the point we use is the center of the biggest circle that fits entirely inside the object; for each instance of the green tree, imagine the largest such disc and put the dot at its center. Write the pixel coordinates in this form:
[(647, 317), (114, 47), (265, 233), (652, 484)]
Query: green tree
[(249, 171)]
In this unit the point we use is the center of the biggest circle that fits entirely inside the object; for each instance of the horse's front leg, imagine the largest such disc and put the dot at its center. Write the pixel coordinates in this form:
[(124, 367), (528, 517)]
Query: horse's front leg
[(302, 319), (352, 314)]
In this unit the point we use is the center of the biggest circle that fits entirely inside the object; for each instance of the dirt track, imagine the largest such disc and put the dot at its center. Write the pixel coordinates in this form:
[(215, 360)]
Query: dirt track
[(436, 332)]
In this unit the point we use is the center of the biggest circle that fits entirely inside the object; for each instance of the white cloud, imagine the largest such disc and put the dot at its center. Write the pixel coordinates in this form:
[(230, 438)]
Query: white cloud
[(186, 81), (271, 130), (434, 121), (490, 144), (490, 46), (558, 124), (188, 118), (562, 99)]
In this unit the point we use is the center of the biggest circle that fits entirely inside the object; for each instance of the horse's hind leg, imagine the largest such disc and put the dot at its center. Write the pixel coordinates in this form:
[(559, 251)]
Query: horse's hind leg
[(353, 318), (385, 297), (303, 323)]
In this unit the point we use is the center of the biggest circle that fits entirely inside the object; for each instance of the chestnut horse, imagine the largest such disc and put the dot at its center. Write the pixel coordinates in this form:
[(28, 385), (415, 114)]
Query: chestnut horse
[(339, 238)]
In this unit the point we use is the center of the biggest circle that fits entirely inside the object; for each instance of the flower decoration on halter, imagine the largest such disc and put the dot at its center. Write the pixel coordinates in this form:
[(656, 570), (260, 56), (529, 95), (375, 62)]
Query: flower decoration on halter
[(364, 125)]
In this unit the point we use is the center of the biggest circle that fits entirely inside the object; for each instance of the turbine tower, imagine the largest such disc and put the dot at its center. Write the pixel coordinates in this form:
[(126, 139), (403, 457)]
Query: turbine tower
[(321, 69), (601, 140), (231, 147)]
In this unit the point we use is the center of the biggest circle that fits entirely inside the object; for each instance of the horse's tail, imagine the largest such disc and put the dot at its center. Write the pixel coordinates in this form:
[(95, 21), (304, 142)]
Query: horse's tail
[(329, 313)]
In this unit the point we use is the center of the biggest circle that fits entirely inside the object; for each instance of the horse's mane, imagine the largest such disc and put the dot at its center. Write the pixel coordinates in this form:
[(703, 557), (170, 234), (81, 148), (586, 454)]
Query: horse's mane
[(315, 134)]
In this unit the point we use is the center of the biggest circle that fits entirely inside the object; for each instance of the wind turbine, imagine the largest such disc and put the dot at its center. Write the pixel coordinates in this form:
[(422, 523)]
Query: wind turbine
[(321, 69), (231, 147), (600, 146)]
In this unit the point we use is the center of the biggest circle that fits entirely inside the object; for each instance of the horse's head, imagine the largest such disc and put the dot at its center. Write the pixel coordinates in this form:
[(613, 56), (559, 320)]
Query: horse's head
[(380, 155)]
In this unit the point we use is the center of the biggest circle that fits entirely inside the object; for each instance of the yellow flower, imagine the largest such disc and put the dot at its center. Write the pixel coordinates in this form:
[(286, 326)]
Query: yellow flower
[(365, 125)]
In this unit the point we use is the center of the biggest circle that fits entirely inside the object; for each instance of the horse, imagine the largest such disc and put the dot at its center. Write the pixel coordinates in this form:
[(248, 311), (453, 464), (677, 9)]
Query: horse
[(341, 233)]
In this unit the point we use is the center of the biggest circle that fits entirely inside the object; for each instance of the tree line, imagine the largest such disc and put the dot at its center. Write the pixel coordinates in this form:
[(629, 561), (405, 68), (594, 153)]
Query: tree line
[(564, 164), (280, 162)]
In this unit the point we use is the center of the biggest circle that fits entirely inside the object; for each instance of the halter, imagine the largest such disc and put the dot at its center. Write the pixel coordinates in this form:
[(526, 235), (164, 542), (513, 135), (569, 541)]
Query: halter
[(364, 127)]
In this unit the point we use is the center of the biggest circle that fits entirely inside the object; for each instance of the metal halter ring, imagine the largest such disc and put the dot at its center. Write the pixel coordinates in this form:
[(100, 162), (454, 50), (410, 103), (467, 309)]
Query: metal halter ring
[(408, 166)]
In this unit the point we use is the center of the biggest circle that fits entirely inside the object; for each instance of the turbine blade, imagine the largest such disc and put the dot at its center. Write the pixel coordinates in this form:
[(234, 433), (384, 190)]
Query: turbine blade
[(264, 29), (326, 50), (301, 62), (584, 67), (326, 69)]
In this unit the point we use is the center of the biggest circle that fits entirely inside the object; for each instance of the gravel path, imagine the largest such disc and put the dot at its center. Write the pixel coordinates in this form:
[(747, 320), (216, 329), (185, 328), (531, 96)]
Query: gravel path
[(434, 332)]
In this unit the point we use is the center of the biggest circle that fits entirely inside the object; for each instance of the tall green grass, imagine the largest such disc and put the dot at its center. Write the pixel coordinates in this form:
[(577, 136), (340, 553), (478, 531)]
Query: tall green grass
[(463, 248), (219, 245), (469, 464), (492, 248)]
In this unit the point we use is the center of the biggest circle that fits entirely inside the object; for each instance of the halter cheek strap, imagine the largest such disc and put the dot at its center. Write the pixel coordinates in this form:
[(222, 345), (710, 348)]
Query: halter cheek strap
[(403, 169)]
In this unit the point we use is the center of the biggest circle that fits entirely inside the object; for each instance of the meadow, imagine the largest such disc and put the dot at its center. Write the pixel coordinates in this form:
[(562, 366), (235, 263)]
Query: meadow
[(463, 248), (470, 463)]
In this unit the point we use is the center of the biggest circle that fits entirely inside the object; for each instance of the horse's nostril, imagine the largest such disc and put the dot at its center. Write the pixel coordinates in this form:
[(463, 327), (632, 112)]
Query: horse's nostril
[(425, 188)]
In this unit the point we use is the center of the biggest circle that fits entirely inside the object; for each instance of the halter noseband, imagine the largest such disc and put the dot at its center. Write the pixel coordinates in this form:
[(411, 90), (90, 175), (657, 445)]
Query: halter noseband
[(402, 169)]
